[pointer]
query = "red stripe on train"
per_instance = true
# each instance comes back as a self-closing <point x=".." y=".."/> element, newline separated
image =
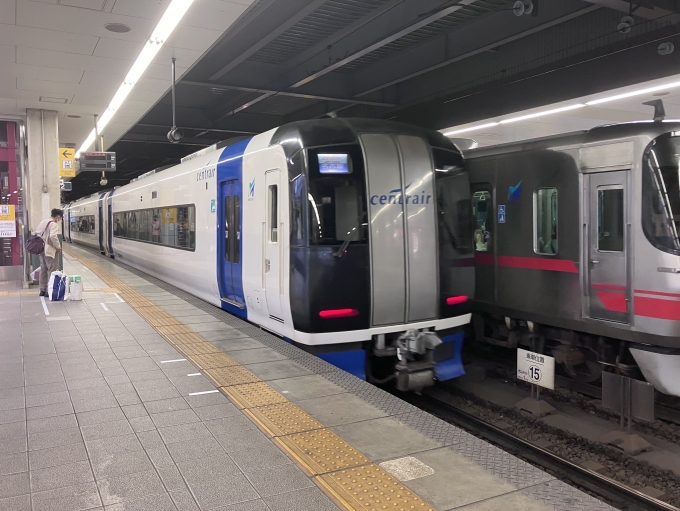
<point x="615" y="302"/>
<point x="657" y="308"/>
<point x="659" y="293"/>
<point x="529" y="263"/>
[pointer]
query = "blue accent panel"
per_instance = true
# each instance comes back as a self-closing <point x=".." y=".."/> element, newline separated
<point x="354" y="362"/>
<point x="453" y="367"/>
<point x="229" y="183"/>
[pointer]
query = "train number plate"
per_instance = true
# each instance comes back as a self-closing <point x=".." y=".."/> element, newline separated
<point x="536" y="368"/>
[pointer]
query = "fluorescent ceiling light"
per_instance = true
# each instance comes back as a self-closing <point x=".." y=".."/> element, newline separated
<point x="633" y="93"/>
<point x="541" y="114"/>
<point x="171" y="18"/>
<point x="473" y="128"/>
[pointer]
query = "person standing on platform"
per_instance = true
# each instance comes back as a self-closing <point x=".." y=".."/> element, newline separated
<point x="49" y="230"/>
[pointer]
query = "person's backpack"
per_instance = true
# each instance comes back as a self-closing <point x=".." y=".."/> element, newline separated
<point x="36" y="244"/>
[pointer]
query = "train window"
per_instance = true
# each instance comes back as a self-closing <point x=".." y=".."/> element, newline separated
<point x="482" y="211"/>
<point x="232" y="212"/>
<point x="84" y="224"/>
<point x="337" y="201"/>
<point x="545" y="221"/>
<point x="273" y="205"/>
<point x="298" y="200"/>
<point x="610" y="220"/>
<point x="661" y="193"/>
<point x="173" y="226"/>
<point x="453" y="203"/>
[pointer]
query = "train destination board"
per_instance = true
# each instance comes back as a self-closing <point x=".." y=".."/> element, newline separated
<point x="97" y="162"/>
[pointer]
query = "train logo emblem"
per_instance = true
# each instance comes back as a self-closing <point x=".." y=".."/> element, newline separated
<point x="396" y="197"/>
<point x="251" y="190"/>
<point x="514" y="193"/>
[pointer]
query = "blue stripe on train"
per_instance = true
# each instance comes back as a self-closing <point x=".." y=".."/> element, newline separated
<point x="230" y="182"/>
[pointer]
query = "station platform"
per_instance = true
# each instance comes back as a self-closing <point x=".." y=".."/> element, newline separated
<point x="142" y="397"/>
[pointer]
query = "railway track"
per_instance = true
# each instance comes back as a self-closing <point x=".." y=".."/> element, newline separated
<point x="662" y="412"/>
<point x="614" y="492"/>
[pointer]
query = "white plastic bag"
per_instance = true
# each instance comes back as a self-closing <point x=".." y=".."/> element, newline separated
<point x="35" y="275"/>
<point x="75" y="291"/>
<point x="57" y="286"/>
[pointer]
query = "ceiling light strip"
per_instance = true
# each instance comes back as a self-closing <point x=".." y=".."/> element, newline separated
<point x="638" y="92"/>
<point x="543" y="113"/>
<point x="472" y="128"/>
<point x="171" y="18"/>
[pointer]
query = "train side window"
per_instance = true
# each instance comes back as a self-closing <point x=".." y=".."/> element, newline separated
<point x="273" y="213"/>
<point x="610" y="220"/>
<point x="545" y="221"/>
<point x="228" y="206"/>
<point x="482" y="211"/>
<point x="236" y="258"/>
<point x="173" y="227"/>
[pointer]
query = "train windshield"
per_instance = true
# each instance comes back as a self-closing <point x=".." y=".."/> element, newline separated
<point x="661" y="193"/>
<point x="336" y="196"/>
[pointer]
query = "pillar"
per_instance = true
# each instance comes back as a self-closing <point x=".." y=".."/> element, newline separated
<point x="42" y="167"/>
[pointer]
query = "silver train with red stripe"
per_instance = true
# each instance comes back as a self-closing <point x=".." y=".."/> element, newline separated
<point x="577" y="249"/>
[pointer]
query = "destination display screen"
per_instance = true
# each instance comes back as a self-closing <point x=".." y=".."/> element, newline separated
<point x="336" y="163"/>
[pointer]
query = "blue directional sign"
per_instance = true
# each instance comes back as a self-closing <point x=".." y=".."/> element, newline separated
<point x="501" y="213"/>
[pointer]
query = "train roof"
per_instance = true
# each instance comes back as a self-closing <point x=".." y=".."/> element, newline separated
<point x="594" y="135"/>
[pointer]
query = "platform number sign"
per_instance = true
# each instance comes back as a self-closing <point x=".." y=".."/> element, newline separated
<point x="536" y="368"/>
<point x="501" y="213"/>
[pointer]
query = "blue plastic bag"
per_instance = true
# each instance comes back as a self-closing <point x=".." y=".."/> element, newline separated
<point x="57" y="286"/>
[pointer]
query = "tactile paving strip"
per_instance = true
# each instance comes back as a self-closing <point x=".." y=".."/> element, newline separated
<point x="282" y="419"/>
<point x="252" y="395"/>
<point x="210" y="360"/>
<point x="178" y="339"/>
<point x="321" y="451"/>
<point x="370" y="488"/>
<point x="173" y="330"/>
<point x="197" y="349"/>
<point x="234" y="375"/>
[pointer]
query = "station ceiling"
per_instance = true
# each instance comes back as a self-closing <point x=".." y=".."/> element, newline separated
<point x="435" y="63"/>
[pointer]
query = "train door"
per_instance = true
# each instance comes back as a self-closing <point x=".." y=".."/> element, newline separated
<point x="606" y="243"/>
<point x="273" y="243"/>
<point x="483" y="218"/>
<point x="68" y="224"/>
<point x="231" y="287"/>
<point x="101" y="222"/>
<point x="109" y="222"/>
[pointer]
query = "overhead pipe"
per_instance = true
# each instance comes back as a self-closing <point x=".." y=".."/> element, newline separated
<point x="175" y="134"/>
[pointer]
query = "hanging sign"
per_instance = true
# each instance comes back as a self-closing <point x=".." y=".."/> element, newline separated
<point x="67" y="162"/>
<point x="8" y="224"/>
<point x="536" y="368"/>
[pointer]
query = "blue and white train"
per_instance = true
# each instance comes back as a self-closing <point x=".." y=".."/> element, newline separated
<point x="348" y="238"/>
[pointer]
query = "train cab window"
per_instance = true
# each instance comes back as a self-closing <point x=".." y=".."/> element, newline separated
<point x="482" y="211"/>
<point x="610" y="220"/>
<point x="545" y="221"/>
<point x="661" y="193"/>
<point x="273" y="205"/>
<point x="337" y="196"/>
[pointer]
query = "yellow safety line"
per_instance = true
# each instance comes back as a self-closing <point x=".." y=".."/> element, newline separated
<point x="343" y="473"/>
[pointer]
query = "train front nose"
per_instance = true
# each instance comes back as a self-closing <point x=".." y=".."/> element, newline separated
<point x="402" y="223"/>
